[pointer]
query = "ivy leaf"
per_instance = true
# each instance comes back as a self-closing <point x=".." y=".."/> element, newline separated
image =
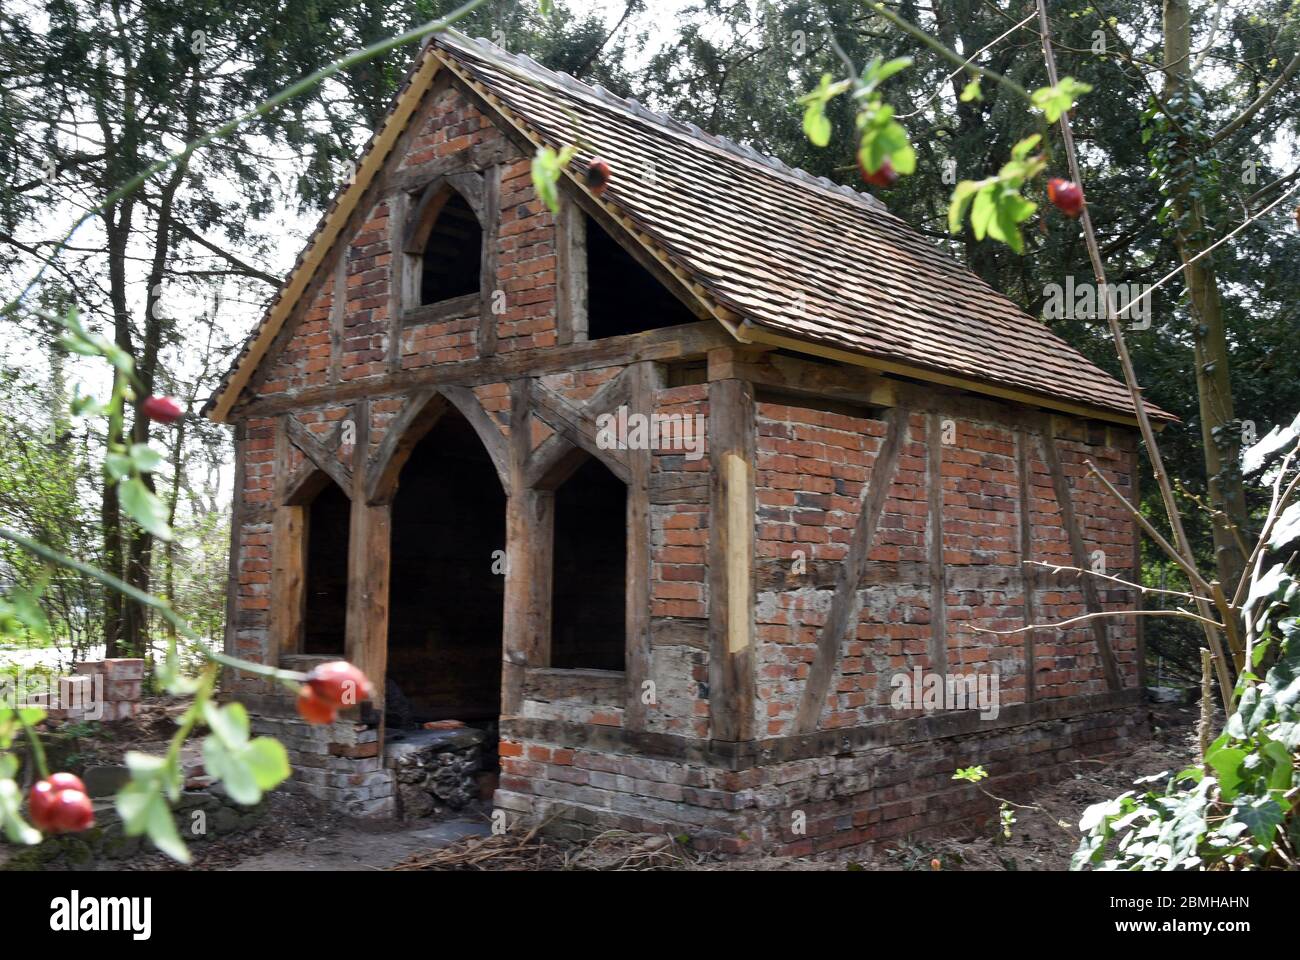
<point x="1226" y="762"/>
<point x="1287" y="528"/>
<point x="144" y="507"/>
<point x="1261" y="815"/>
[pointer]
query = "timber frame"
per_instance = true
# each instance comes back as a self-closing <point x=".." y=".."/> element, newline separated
<point x="732" y="661"/>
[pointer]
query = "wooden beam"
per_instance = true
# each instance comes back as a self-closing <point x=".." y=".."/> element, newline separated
<point x="289" y="533"/>
<point x="237" y="511"/>
<point x="319" y="454"/>
<point x="530" y="518"/>
<point x="1028" y="575"/>
<point x="848" y="384"/>
<point x="683" y="342"/>
<point x="578" y="427"/>
<point x="338" y="313"/>
<point x="938" y="569"/>
<point x="369" y="559"/>
<point x="417" y="417"/>
<point x="752" y="333"/>
<point x="415" y="178"/>
<point x="1079" y="552"/>
<point x="731" y="549"/>
<point x="555" y="460"/>
<point x="844" y="605"/>
<point x="640" y="565"/>
<point x="489" y="282"/>
<point x="398" y="214"/>
<point x="571" y="272"/>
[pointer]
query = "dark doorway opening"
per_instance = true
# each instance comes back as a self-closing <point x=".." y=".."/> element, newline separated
<point x="623" y="296"/>
<point x="446" y="598"/>
<point x="589" y="586"/>
<point x="453" y="254"/>
<point x="328" y="528"/>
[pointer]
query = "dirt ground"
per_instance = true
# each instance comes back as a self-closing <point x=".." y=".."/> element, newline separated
<point x="294" y="835"/>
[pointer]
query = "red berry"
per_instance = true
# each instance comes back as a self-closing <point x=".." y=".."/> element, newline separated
<point x="598" y="174"/>
<point x="66" y="781"/>
<point x="60" y="809"/>
<point x="339" y="684"/>
<point x="40" y="800"/>
<point x="71" y="812"/>
<point x="883" y="176"/>
<point x="162" y="409"/>
<point x="1066" y="195"/>
<point x="313" y="709"/>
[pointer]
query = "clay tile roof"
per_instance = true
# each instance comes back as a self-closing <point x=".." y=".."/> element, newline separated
<point x="795" y="259"/>
<point x="791" y="253"/>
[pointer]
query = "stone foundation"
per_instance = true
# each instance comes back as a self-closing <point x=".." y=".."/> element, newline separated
<point x="436" y="770"/>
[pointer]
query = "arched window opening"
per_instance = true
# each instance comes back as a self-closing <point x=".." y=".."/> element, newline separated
<point x="590" y="561"/>
<point x="453" y="253"/>
<point x="447" y="583"/>
<point x="327" y="532"/>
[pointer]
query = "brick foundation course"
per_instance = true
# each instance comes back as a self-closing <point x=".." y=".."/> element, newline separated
<point x="800" y="796"/>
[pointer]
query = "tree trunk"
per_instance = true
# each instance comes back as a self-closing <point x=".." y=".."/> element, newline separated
<point x="1220" y="434"/>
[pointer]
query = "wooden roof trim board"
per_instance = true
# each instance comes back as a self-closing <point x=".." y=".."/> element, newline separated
<point x="700" y="281"/>
<point x="323" y="237"/>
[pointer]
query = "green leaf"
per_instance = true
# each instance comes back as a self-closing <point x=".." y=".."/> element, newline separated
<point x="1022" y="149"/>
<point x="816" y="125"/>
<point x="145" y="458"/>
<point x="1226" y="762"/>
<point x="1261" y="815"/>
<point x="118" y="465"/>
<point x="16" y="829"/>
<point x="971" y="91"/>
<point x="1054" y="101"/>
<point x="228" y="723"/>
<point x="144" y="507"/>
<point x="984" y="210"/>
<point x="961" y="197"/>
<point x="1286" y="529"/>
<point x="269" y="762"/>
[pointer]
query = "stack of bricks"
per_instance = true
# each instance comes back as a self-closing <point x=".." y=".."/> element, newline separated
<point x="123" y="683"/>
<point x="80" y="696"/>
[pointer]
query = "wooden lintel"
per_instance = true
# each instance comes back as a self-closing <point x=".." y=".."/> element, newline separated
<point x="684" y="342"/>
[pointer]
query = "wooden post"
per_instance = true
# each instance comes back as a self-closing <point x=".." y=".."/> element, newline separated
<point x="530" y="520"/>
<point x="288" y="557"/>
<point x="288" y="581"/>
<point x="640" y="566"/>
<point x="369" y="559"/>
<point x="489" y="283"/>
<point x="398" y="212"/>
<point x="571" y="275"/>
<point x="731" y="550"/>
<point x="938" y="569"/>
<point x="1028" y="575"/>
